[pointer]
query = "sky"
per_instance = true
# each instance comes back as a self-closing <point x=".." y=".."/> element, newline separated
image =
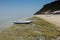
<point x="20" y="8"/>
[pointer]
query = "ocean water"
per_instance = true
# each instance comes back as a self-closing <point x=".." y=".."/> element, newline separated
<point x="6" y="20"/>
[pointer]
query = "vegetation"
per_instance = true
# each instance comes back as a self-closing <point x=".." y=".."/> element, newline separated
<point x="53" y="6"/>
<point x="38" y="27"/>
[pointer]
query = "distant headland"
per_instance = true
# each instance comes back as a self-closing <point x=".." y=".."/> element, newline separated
<point x="53" y="6"/>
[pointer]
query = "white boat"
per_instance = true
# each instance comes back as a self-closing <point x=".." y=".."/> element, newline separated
<point x="22" y="22"/>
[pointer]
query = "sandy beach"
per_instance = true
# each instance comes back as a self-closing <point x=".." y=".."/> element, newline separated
<point x="55" y="19"/>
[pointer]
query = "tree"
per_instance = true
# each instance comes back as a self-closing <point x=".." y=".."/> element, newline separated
<point x="57" y="0"/>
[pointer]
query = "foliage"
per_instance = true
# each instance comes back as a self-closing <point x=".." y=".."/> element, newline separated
<point x="25" y="31"/>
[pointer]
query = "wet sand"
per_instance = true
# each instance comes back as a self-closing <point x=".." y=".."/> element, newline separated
<point x="55" y="19"/>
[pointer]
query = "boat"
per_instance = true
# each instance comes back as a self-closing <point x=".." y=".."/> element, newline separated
<point x="22" y="22"/>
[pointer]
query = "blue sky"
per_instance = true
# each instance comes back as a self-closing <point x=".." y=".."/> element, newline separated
<point x="9" y="8"/>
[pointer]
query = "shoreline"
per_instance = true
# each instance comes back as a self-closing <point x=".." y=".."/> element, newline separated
<point x="8" y="23"/>
<point x="5" y="25"/>
<point x="37" y="28"/>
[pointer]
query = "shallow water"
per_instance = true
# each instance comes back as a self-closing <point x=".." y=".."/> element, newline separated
<point x="7" y="22"/>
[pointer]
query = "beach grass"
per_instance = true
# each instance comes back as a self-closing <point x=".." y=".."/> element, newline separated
<point x="35" y="29"/>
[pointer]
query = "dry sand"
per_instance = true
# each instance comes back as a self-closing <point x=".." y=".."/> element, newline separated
<point x="55" y="19"/>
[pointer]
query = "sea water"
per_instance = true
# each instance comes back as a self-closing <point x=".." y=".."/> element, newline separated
<point x="6" y="20"/>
